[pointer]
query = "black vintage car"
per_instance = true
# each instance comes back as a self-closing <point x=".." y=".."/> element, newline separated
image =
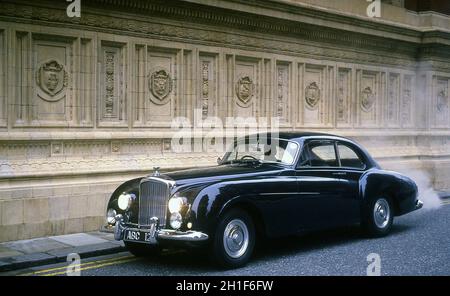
<point x="267" y="185"/>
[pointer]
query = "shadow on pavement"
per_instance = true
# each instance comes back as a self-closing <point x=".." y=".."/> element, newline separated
<point x="269" y="249"/>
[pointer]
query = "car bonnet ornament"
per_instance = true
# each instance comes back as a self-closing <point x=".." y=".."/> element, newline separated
<point x="156" y="172"/>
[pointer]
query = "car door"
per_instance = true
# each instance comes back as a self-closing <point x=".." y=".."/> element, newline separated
<point x="321" y="200"/>
<point x="352" y="167"/>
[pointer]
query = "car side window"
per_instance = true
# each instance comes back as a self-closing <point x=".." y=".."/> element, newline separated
<point x="349" y="158"/>
<point x="319" y="154"/>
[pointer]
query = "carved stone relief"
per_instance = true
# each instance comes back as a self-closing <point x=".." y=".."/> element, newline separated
<point x="341" y="97"/>
<point x="160" y="88"/>
<point x="368" y="98"/>
<point x="406" y="104"/>
<point x="280" y="91"/>
<point x="282" y="101"/>
<point x="51" y="101"/>
<point x="52" y="79"/>
<point x="109" y="83"/>
<point x="112" y="85"/>
<point x="393" y="98"/>
<point x="205" y="88"/>
<point x="312" y="96"/>
<point x="343" y="104"/>
<point x="313" y="91"/>
<point x="441" y="103"/>
<point x="160" y="85"/>
<point x="245" y="90"/>
<point x="442" y="99"/>
<point x="3" y="113"/>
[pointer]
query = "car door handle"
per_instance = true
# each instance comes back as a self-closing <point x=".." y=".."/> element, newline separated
<point x="339" y="174"/>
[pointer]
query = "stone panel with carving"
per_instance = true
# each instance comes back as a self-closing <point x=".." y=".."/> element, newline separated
<point x="22" y="54"/>
<point x="51" y="80"/>
<point x="86" y="89"/>
<point x="407" y="102"/>
<point x="314" y="93"/>
<point x="441" y="102"/>
<point x="3" y="105"/>
<point x="112" y="86"/>
<point x="393" y="99"/>
<point x="161" y="86"/>
<point x="207" y="99"/>
<point x="52" y="99"/>
<point x="369" y="98"/>
<point x="245" y="84"/>
<point x="282" y="100"/>
<point x="344" y="98"/>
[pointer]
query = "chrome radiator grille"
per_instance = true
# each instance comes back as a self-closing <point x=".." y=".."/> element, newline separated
<point x="153" y="199"/>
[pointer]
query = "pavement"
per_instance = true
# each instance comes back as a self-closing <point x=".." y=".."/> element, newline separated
<point x="54" y="249"/>
<point x="23" y="254"/>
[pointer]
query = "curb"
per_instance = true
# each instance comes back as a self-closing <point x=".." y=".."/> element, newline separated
<point x="57" y="256"/>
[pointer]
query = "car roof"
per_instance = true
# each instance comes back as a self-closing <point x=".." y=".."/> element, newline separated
<point x="296" y="135"/>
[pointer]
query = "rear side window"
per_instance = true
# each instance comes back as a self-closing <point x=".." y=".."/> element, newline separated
<point x="349" y="158"/>
<point x="319" y="154"/>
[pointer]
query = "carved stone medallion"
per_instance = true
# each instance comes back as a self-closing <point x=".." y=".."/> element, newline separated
<point x="312" y="95"/>
<point x="51" y="79"/>
<point x="367" y="99"/>
<point x="244" y="90"/>
<point x="160" y="85"/>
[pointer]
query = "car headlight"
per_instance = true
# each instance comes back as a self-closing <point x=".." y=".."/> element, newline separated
<point x="176" y="204"/>
<point x="111" y="216"/>
<point x="176" y="220"/>
<point x="124" y="201"/>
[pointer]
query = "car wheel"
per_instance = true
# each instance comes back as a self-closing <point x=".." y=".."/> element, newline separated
<point x="378" y="217"/>
<point x="234" y="239"/>
<point x="142" y="250"/>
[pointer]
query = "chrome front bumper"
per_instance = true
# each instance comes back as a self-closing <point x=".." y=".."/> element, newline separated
<point x="155" y="235"/>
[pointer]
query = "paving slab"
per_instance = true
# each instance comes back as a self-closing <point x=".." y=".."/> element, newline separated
<point x="37" y="245"/>
<point x="78" y="239"/>
<point x="7" y="252"/>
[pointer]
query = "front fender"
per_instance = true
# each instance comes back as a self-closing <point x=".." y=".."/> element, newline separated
<point x="130" y="186"/>
<point x="212" y="201"/>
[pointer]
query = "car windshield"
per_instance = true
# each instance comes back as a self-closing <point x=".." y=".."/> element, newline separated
<point x="275" y="150"/>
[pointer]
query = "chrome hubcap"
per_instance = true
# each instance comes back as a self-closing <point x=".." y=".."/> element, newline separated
<point x="235" y="238"/>
<point x="381" y="213"/>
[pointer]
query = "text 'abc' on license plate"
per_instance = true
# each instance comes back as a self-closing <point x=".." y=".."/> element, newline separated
<point x="139" y="236"/>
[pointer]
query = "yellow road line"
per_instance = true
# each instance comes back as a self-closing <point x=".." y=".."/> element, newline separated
<point x="94" y="266"/>
<point x="78" y="265"/>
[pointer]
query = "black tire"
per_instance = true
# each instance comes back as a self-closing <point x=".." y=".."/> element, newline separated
<point x="377" y="227"/>
<point x="142" y="250"/>
<point x="218" y="251"/>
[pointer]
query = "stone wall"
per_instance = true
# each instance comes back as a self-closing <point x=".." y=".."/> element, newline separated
<point x="88" y="103"/>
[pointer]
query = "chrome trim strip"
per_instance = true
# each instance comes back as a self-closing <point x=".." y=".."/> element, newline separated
<point x="189" y="236"/>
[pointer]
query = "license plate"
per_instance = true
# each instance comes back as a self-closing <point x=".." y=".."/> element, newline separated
<point x="147" y="236"/>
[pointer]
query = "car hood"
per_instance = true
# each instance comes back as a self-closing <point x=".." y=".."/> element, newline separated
<point x="222" y="172"/>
